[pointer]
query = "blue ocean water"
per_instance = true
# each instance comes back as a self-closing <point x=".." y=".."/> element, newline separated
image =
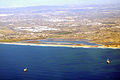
<point x="58" y="63"/>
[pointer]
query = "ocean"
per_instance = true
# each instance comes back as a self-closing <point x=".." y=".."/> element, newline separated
<point x="58" y="63"/>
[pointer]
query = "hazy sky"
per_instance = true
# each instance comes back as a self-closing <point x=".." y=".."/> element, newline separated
<point x="24" y="3"/>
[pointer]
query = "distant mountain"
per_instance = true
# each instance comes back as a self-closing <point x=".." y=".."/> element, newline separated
<point x="39" y="9"/>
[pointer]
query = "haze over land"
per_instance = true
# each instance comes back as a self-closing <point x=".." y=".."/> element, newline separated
<point x="26" y="3"/>
<point x="97" y="21"/>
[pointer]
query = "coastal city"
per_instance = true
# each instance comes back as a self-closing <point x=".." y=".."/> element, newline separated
<point x="59" y="39"/>
<point x="95" y="24"/>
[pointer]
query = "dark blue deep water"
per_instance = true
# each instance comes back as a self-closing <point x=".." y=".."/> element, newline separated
<point x="58" y="63"/>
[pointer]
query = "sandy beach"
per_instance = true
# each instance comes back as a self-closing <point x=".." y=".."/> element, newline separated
<point x="55" y="45"/>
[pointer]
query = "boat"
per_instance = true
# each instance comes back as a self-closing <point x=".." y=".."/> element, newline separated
<point x="108" y="61"/>
<point x="25" y="69"/>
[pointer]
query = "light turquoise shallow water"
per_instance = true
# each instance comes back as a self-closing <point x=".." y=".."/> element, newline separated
<point x="58" y="63"/>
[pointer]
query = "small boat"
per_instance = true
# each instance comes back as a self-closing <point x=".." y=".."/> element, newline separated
<point x="108" y="61"/>
<point x="25" y="69"/>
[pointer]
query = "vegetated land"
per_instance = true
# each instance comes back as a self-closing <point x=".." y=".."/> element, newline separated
<point x="98" y="24"/>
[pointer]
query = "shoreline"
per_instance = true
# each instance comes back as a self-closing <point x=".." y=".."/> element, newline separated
<point x="60" y="45"/>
